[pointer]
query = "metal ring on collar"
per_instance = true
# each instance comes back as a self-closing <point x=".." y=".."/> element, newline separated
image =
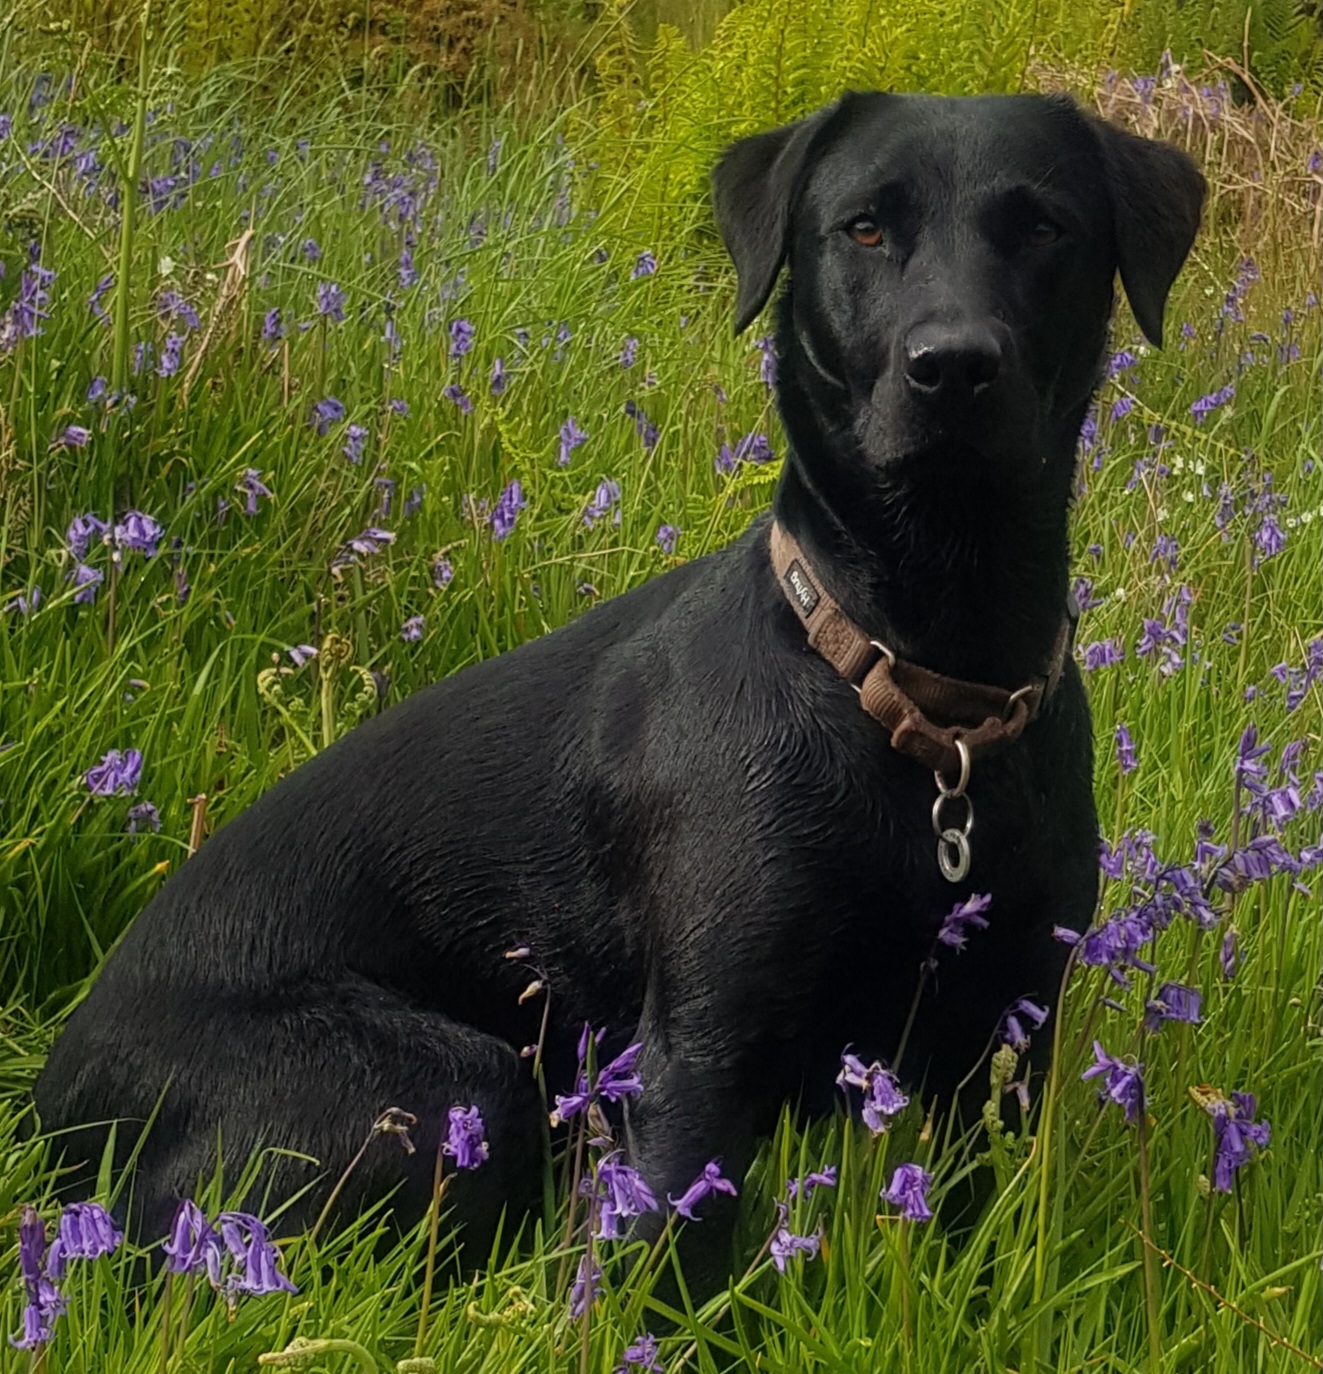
<point x="938" y="828"/>
<point x="966" y="765"/>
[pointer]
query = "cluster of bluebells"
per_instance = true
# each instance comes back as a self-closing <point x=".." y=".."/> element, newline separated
<point x="133" y="532"/>
<point x="84" y="1232"/>
<point x="235" y="1253"/>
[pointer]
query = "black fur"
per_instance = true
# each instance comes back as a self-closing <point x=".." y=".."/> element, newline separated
<point x="680" y="808"/>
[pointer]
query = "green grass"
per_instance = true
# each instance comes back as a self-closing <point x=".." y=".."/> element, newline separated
<point x="1053" y="1276"/>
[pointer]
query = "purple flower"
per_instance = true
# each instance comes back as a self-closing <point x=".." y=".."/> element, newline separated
<point x="909" y="1192"/>
<point x="86" y="1232"/>
<point x="464" y="1138"/>
<point x="506" y="511"/>
<point x="619" y="1079"/>
<point x="330" y="301"/>
<point x="786" y="1243"/>
<point x="667" y="538"/>
<point x="622" y="1193"/>
<point x="301" y="654"/>
<point x="82" y="531"/>
<point x="605" y="500"/>
<point x="272" y="328"/>
<point x="311" y="249"/>
<point x="754" y="448"/>
<point x="116" y="773"/>
<point x="1234" y="1132"/>
<point x="767" y="365"/>
<point x="143" y="816"/>
<point x="443" y="571"/>
<point x="1122" y="407"/>
<point x="44" y="1301"/>
<point x="325" y="413"/>
<point x="461" y="338"/>
<point x="1126" y="759"/>
<point x="86" y="580"/>
<point x="192" y="1244"/>
<point x="823" y="1178"/>
<point x="1013" y="1032"/>
<point x="254" y="1258"/>
<point x="72" y="436"/>
<point x="172" y="307"/>
<point x="1229" y="955"/>
<point x="98" y="294"/>
<point x="1205" y="405"/>
<point x="1269" y="538"/>
<point x="586" y="1288"/>
<point x="408" y="272"/>
<point x="1103" y="653"/>
<point x="963" y="916"/>
<point x="24" y="604"/>
<point x="458" y="396"/>
<point x="1174" y="1002"/>
<point x="708" y="1182"/>
<point x="571" y="436"/>
<point x="1122" y="1082"/>
<point x="500" y="378"/>
<point x="1251" y="773"/>
<point x="355" y="438"/>
<point x="641" y="1357"/>
<point x="883" y="1098"/>
<point x="97" y="390"/>
<point x="412" y="629"/>
<point x="137" y="532"/>
<point x="645" y="266"/>
<point x="1124" y="361"/>
<point x="371" y="541"/>
<point x="643" y="427"/>
<point x="629" y="353"/>
<point x="251" y="487"/>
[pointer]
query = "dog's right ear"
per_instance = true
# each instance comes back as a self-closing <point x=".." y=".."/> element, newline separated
<point x="754" y="188"/>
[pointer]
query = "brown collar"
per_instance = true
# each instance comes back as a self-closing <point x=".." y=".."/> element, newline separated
<point x="938" y="721"/>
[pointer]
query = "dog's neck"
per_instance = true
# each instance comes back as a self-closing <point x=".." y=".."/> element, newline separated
<point x="964" y="573"/>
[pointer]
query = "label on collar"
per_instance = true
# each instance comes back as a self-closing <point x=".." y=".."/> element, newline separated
<point x="802" y="591"/>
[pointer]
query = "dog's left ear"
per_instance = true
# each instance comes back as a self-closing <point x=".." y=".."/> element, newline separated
<point x="1157" y="196"/>
<point x="754" y="187"/>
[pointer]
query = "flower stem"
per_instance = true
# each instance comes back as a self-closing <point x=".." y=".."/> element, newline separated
<point x="439" y="1185"/>
<point x="909" y="1020"/>
<point x="165" y="1322"/>
<point x="120" y="358"/>
<point x="1151" y="1300"/>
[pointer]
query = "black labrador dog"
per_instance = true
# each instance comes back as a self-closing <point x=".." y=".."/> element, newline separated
<point x="676" y="803"/>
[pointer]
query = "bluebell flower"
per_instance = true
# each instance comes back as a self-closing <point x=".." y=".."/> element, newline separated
<point x="708" y="1182"/>
<point x="116" y="773"/>
<point x="1123" y="1083"/>
<point x="667" y="538"/>
<point x="645" y="266"/>
<point x="251" y="487"/>
<point x="86" y="580"/>
<point x="45" y="1304"/>
<point x="1236" y="1136"/>
<point x="355" y="438"/>
<point x="143" y="816"/>
<point x="785" y="1243"/>
<point x="301" y="654"/>
<point x="462" y="335"/>
<point x="621" y="1194"/>
<point x="506" y="511"/>
<point x="459" y="397"/>
<point x="1174" y="1002"/>
<point x="909" y="1191"/>
<point x="1205" y="405"/>
<point x="586" y="1288"/>
<point x="767" y="366"/>
<point x="412" y="629"/>
<point x="443" y="571"/>
<point x="465" y="1142"/>
<point x="641" y="1357"/>
<point x="327" y="412"/>
<point x="86" y="1232"/>
<point x="962" y="917"/>
<point x="1126" y="759"/>
<point x="98" y="294"/>
<point x="72" y="436"/>
<point x="255" y="1261"/>
<point x="273" y="330"/>
<point x="1013" y="1018"/>
<point x="330" y="301"/>
<point x="1102" y="653"/>
<point x="500" y="377"/>
<point x="629" y="353"/>
<point x="821" y="1178"/>
<point x="571" y="436"/>
<point x="883" y="1098"/>
<point x="192" y="1246"/>
<point x="605" y="500"/>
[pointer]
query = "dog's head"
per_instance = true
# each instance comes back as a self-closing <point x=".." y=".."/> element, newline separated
<point x="951" y="266"/>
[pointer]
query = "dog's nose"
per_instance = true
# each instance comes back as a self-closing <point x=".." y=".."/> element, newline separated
<point x="951" y="362"/>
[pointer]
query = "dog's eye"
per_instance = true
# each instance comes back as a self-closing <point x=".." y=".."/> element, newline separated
<point x="1043" y="233"/>
<point x="867" y="232"/>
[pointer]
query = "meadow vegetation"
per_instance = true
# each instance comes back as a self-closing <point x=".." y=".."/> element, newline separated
<point x="315" y="390"/>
